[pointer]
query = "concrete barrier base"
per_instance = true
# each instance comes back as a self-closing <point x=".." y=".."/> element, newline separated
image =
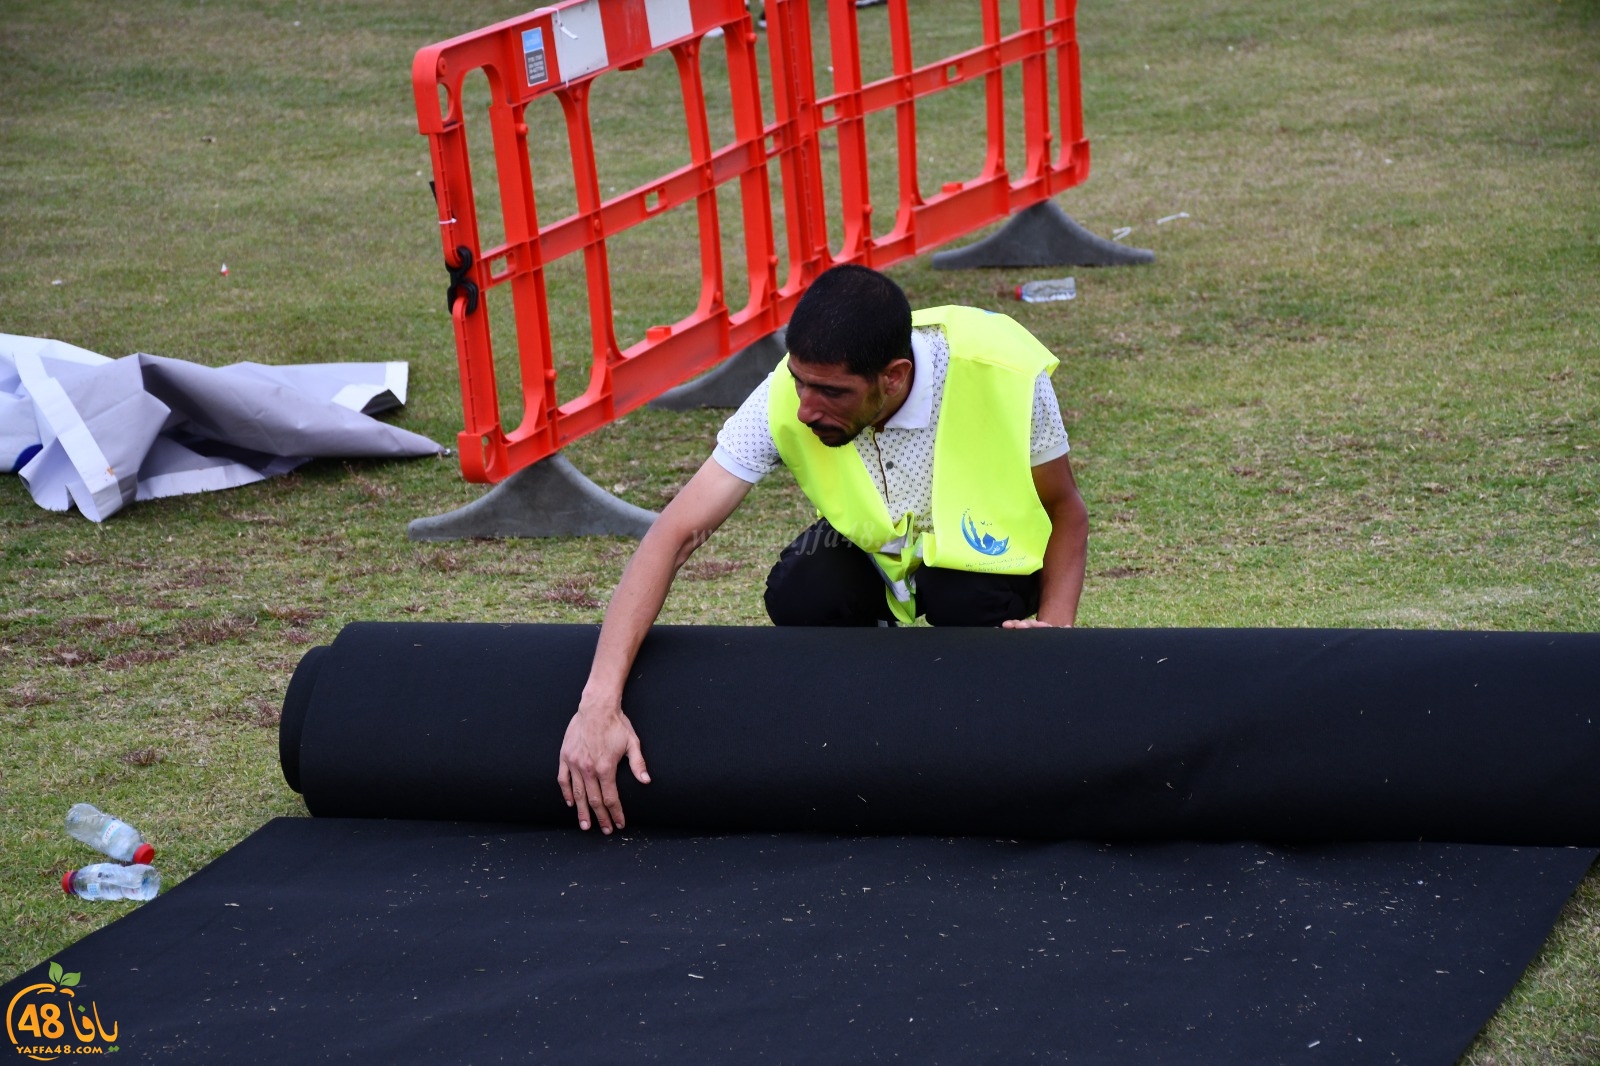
<point x="730" y="381"/>
<point x="548" y="499"/>
<point x="1042" y="235"/>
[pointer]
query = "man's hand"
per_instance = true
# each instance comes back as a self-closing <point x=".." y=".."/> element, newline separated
<point x="1061" y="579"/>
<point x="598" y="738"/>
<point x="600" y="735"/>
<point x="1028" y="623"/>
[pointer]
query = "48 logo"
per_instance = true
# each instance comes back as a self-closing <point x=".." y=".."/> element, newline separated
<point x="45" y="1021"/>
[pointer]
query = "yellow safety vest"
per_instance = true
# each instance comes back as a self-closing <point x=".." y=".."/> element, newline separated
<point x="986" y="512"/>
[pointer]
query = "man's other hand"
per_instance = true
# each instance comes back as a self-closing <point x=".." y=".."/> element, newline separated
<point x="1028" y="623"/>
<point x="597" y="740"/>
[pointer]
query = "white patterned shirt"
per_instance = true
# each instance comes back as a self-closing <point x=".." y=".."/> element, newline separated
<point x="900" y="458"/>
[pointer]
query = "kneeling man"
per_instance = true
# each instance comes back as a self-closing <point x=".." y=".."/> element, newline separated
<point x="933" y="448"/>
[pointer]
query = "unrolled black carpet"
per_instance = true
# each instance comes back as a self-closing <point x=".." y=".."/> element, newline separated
<point x="921" y="845"/>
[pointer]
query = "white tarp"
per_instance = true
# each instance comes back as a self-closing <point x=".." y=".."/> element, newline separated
<point x="100" y="433"/>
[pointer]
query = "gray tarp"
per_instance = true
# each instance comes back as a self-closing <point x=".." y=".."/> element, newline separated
<point x="100" y="433"/>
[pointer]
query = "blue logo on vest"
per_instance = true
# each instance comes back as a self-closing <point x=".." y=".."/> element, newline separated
<point x="982" y="543"/>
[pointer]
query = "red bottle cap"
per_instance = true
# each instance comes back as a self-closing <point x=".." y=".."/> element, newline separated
<point x="66" y="881"/>
<point x="143" y="854"/>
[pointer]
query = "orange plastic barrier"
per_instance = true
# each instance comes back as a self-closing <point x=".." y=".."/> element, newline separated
<point x="562" y="49"/>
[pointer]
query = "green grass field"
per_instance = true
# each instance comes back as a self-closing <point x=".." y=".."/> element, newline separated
<point x="1359" y="387"/>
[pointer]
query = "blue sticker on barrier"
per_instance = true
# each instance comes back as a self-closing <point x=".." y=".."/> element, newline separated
<point x="533" y="55"/>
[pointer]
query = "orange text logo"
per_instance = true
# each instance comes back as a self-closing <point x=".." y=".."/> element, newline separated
<point x="46" y="1020"/>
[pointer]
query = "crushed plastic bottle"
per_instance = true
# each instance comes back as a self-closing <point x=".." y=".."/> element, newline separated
<point x="111" y="835"/>
<point x="1042" y="292"/>
<point x="109" y="880"/>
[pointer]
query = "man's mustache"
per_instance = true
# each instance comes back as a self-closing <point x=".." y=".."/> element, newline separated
<point x="831" y="435"/>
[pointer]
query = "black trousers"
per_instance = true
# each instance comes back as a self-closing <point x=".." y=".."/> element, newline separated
<point x="821" y="579"/>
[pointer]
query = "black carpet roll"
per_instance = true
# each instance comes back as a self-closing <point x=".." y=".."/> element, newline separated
<point x="1218" y="734"/>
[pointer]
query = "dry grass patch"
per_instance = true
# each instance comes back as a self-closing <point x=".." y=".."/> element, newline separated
<point x="210" y="631"/>
<point x="295" y="616"/>
<point x="440" y="560"/>
<point x="139" y="657"/>
<point x="574" y="592"/>
<point x="143" y="757"/>
<point x="70" y="655"/>
<point x="27" y="695"/>
<point x="710" y="569"/>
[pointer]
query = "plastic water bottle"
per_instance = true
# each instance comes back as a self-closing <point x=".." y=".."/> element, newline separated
<point x="111" y="835"/>
<point x="109" y="880"/>
<point x="1041" y="292"/>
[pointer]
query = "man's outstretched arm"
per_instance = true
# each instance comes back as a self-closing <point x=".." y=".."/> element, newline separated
<point x="600" y="735"/>
<point x="1061" y="580"/>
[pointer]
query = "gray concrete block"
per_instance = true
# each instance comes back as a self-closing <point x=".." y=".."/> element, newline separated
<point x="548" y="499"/>
<point x="730" y="381"/>
<point x="1042" y="235"/>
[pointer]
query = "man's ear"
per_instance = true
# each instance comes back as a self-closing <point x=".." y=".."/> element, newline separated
<point x="895" y="376"/>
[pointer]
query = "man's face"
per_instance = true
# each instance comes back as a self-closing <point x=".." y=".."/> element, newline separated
<point x="835" y="404"/>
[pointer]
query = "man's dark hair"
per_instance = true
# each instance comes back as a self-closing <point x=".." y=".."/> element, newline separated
<point x="851" y="315"/>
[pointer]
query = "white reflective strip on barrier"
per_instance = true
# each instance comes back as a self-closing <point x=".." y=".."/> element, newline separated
<point x="580" y="40"/>
<point x="669" y="20"/>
